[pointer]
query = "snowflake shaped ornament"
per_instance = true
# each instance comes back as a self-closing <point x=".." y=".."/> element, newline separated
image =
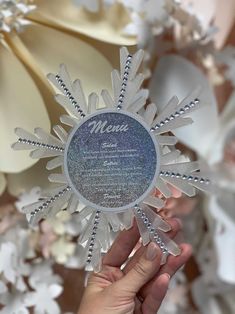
<point x="113" y="160"/>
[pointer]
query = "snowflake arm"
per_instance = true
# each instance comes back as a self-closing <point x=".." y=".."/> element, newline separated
<point x="87" y="177"/>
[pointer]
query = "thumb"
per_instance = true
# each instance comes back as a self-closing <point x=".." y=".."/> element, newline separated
<point x="144" y="269"/>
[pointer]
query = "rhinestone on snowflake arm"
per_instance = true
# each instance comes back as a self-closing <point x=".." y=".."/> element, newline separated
<point x="175" y="113"/>
<point x="152" y="228"/>
<point x="41" y="143"/>
<point x="127" y="92"/>
<point x="71" y="95"/>
<point x="48" y="206"/>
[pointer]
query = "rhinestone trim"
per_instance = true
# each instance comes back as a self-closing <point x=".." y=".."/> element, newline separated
<point x="40" y="144"/>
<point x="177" y="114"/>
<point x="151" y="230"/>
<point x="93" y="237"/>
<point x="124" y="81"/>
<point x="50" y="201"/>
<point x="68" y="94"/>
<point x="185" y="177"/>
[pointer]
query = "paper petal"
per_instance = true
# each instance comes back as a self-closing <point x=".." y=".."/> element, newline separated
<point x="26" y="180"/>
<point x="106" y="25"/>
<point x="55" y="290"/>
<point x="20" y="105"/>
<point x="44" y="49"/>
<point x="175" y="75"/>
<point x="226" y="126"/>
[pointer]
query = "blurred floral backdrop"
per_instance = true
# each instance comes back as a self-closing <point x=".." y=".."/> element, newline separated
<point x="187" y="43"/>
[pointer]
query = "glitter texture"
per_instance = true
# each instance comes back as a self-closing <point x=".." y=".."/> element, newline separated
<point x="111" y="160"/>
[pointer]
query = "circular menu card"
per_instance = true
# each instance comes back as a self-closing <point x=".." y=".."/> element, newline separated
<point x="112" y="160"/>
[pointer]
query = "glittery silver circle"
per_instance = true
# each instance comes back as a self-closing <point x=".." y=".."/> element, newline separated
<point x="112" y="160"/>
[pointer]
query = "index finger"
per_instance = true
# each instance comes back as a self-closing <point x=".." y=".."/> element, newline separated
<point x="170" y="268"/>
<point x="122" y="247"/>
<point x="127" y="240"/>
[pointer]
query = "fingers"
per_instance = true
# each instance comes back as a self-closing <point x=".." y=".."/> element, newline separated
<point x="175" y="225"/>
<point x="143" y="270"/>
<point x="176" y="262"/>
<point x="175" y="192"/>
<point x="133" y="260"/>
<point x="173" y="264"/>
<point x="126" y="241"/>
<point x="122" y="247"/>
<point x="157" y="293"/>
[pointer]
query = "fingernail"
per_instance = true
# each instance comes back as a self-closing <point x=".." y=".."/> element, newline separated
<point x="168" y="276"/>
<point x="151" y="252"/>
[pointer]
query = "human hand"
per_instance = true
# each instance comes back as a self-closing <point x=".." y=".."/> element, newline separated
<point x="141" y="285"/>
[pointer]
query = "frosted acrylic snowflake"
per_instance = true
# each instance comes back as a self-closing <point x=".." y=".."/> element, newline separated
<point x="12" y="14"/>
<point x="113" y="160"/>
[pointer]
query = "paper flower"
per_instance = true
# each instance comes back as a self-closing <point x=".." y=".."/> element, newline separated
<point x="105" y="25"/>
<point x="47" y="287"/>
<point x="36" y="47"/>
<point x="212" y="140"/>
<point x="15" y="250"/>
<point x="14" y="303"/>
<point x="22" y="275"/>
<point x="42" y="273"/>
<point x="27" y="43"/>
<point x="8" y="261"/>
<point x="55" y="236"/>
<point x="43" y="298"/>
<point x="188" y="24"/>
<point x="13" y="13"/>
<point x="112" y="200"/>
<point x="62" y="249"/>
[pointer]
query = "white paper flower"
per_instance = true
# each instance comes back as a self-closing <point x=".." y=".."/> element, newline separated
<point x="13" y="255"/>
<point x="216" y="258"/>
<point x="21" y="271"/>
<point x="42" y="273"/>
<point x="14" y="303"/>
<point x="28" y="198"/>
<point x="8" y="265"/>
<point x="43" y="299"/>
<point x="62" y="249"/>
